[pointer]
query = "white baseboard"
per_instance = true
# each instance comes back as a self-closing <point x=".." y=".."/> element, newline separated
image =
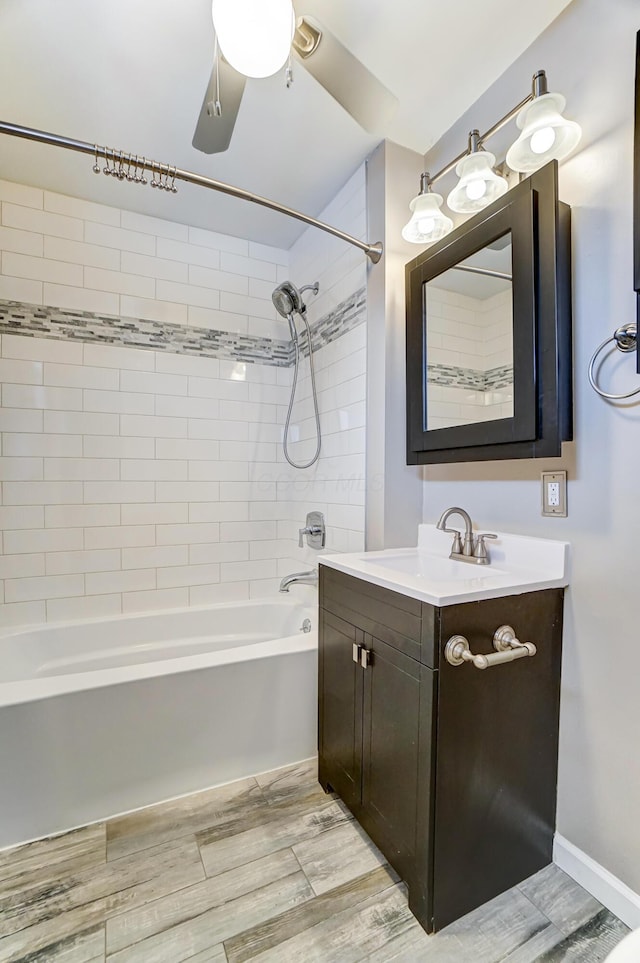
<point x="607" y="888"/>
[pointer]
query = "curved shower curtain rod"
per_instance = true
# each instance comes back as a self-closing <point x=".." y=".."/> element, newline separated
<point x="373" y="251"/>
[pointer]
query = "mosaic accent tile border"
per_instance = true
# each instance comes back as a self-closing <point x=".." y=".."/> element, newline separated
<point x="32" y="320"/>
<point x="500" y="377"/>
<point x="454" y="376"/>
<point x="346" y="316"/>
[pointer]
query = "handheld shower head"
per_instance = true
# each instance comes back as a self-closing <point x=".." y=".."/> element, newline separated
<point x="286" y="299"/>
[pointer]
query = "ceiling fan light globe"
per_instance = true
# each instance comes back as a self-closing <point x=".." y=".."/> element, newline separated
<point x="546" y="134"/>
<point x="254" y="35"/>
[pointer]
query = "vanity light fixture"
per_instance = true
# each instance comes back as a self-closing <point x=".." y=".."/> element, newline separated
<point x="427" y="222"/>
<point x="254" y="35"/>
<point x="479" y="185"/>
<point x="546" y="135"/>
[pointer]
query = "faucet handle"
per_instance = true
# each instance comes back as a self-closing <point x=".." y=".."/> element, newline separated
<point x="314" y="530"/>
<point x="456" y="548"/>
<point x="480" y="549"/>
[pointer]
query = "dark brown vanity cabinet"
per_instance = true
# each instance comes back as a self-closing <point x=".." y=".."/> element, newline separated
<point x="451" y="770"/>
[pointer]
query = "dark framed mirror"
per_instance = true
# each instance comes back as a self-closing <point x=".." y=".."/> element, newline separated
<point x="489" y="333"/>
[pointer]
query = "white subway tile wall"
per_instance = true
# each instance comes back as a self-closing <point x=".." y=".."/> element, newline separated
<point x="103" y="513"/>
<point x="336" y="484"/>
<point x="137" y="480"/>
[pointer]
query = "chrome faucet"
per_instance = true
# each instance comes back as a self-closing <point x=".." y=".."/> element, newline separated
<point x="469" y="549"/>
<point x="301" y="578"/>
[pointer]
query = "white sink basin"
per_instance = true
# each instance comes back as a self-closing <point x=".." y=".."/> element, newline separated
<point x="433" y="567"/>
<point x="517" y="564"/>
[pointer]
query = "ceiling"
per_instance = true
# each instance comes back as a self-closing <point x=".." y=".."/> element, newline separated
<point x="131" y="74"/>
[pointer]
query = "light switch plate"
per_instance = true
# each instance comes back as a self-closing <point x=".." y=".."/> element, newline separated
<point x="554" y="493"/>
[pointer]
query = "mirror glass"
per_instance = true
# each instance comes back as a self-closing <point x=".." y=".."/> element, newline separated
<point x="468" y="315"/>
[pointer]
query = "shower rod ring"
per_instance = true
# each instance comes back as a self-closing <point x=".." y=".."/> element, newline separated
<point x="625" y="339"/>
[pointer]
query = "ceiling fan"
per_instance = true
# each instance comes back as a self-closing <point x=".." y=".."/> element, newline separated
<point x="242" y="32"/>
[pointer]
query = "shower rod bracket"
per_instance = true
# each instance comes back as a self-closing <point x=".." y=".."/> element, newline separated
<point x="168" y="175"/>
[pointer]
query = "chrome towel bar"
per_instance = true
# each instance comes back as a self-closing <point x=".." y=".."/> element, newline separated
<point x="508" y="649"/>
<point x="625" y="339"/>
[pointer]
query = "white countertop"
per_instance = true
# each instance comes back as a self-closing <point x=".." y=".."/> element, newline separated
<point x="518" y="564"/>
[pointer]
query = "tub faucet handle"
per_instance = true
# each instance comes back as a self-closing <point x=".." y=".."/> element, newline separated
<point x="314" y="530"/>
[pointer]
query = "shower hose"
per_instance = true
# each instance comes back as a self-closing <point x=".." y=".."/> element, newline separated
<point x="285" y="440"/>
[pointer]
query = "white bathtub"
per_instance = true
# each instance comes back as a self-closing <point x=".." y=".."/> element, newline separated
<point x="102" y="717"/>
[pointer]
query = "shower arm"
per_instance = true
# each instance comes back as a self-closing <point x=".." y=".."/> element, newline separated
<point x="373" y="251"/>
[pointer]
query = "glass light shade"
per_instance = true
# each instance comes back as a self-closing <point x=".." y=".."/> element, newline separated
<point x="254" y="35"/>
<point x="479" y="184"/>
<point x="546" y="134"/>
<point x="427" y="222"/>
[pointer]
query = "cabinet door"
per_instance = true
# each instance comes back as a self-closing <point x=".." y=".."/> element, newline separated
<point x="340" y="708"/>
<point x="392" y="750"/>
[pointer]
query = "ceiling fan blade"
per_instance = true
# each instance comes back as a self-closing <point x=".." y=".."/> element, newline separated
<point x="344" y="76"/>
<point x="213" y="134"/>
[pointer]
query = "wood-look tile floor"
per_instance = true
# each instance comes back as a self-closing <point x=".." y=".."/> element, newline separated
<point x="267" y="869"/>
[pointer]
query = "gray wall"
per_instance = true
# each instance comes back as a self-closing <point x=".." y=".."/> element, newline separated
<point x="589" y="56"/>
<point x="394" y="490"/>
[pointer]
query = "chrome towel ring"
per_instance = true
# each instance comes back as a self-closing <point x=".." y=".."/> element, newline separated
<point x="625" y="339"/>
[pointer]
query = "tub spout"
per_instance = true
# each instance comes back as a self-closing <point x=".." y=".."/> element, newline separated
<point x="302" y="578"/>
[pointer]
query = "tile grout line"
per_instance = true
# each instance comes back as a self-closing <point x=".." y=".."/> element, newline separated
<point x="166" y="802"/>
<point x="350" y="909"/>
<point x="533" y="902"/>
<point x="197" y="915"/>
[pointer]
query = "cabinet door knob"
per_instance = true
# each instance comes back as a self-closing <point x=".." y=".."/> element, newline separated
<point x="356" y="653"/>
<point x="365" y="658"/>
